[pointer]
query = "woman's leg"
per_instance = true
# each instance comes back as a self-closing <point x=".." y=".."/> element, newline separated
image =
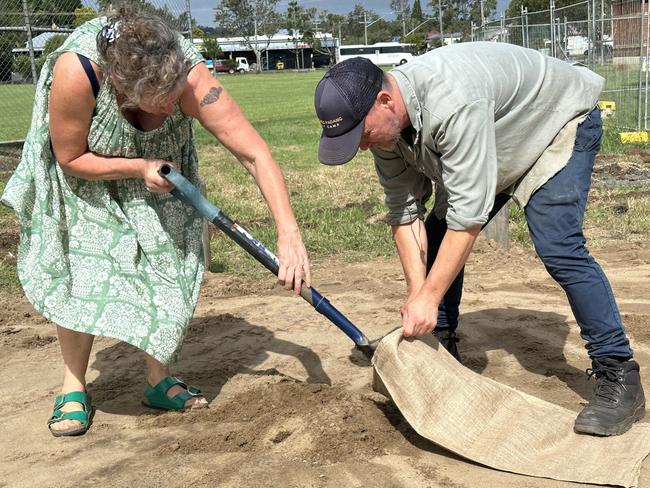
<point x="156" y="371"/>
<point x="75" y="349"/>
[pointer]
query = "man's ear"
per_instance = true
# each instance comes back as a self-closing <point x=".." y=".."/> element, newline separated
<point x="384" y="98"/>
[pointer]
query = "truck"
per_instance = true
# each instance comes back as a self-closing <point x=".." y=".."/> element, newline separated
<point x="580" y="45"/>
<point x="237" y="65"/>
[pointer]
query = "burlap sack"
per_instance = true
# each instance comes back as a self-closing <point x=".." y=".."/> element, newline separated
<point x="495" y="425"/>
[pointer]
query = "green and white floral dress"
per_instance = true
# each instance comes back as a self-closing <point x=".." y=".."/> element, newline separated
<point x="107" y="257"/>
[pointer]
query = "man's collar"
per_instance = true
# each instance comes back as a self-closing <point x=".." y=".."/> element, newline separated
<point x="410" y="100"/>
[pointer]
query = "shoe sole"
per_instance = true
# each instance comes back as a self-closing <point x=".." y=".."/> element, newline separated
<point x="163" y="409"/>
<point x="75" y="432"/>
<point x="618" y="429"/>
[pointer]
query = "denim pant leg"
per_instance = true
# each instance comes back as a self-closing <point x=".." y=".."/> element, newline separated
<point x="448" y="308"/>
<point x="555" y="216"/>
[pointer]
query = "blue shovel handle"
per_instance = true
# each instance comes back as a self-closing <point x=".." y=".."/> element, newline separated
<point x="189" y="194"/>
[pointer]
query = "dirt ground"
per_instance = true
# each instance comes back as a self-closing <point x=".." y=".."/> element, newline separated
<point x="290" y="401"/>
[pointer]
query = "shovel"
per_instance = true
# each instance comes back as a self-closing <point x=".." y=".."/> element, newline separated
<point x="189" y="194"/>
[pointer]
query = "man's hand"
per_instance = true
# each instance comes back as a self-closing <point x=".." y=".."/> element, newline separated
<point x="419" y="316"/>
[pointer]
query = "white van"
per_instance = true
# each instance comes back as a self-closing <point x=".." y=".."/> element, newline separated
<point x="381" y="53"/>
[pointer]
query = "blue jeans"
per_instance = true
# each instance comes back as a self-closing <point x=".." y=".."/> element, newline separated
<point x="555" y="215"/>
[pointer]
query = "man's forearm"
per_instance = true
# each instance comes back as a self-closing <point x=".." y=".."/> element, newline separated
<point x="411" y="242"/>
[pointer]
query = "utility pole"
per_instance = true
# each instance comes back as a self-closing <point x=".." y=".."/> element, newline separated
<point x="442" y="37"/>
<point x="482" y="14"/>
<point x="30" y="44"/>
<point x="418" y="26"/>
<point x="365" y="28"/>
<point x="602" y="32"/>
<point x="401" y="3"/>
<point x="258" y="54"/>
<point x="523" y="28"/>
<point x="366" y="24"/>
<point x="189" y="19"/>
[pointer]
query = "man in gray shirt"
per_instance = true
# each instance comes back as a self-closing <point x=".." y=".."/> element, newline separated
<point x="484" y="123"/>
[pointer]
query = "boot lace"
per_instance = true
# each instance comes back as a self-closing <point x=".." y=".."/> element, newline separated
<point x="609" y="380"/>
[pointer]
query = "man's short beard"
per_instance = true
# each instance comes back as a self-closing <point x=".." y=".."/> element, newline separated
<point x="395" y="134"/>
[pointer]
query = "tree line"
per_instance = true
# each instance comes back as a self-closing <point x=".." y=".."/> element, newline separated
<point x="407" y="21"/>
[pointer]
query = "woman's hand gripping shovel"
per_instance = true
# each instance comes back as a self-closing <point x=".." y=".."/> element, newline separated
<point x="188" y="193"/>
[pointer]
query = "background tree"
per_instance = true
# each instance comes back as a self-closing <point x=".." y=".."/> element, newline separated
<point x="297" y="22"/>
<point x="514" y="8"/>
<point x="198" y="33"/>
<point x="402" y="10"/>
<point x="212" y="50"/>
<point x="354" y="31"/>
<point x="577" y="13"/>
<point x="333" y="23"/>
<point x="208" y="30"/>
<point x="43" y="13"/>
<point x="420" y="24"/>
<point x="458" y="15"/>
<point x="7" y="43"/>
<point x="417" y="38"/>
<point x="324" y="21"/>
<point x="52" y="44"/>
<point x="55" y="13"/>
<point x="384" y="31"/>
<point x="416" y="14"/>
<point x="22" y="66"/>
<point x="83" y="15"/>
<point x="254" y="20"/>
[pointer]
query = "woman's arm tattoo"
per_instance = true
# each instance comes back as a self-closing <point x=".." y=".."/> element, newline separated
<point x="212" y="96"/>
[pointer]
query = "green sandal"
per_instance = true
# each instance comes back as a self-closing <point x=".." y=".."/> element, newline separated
<point x="156" y="396"/>
<point x="83" y="416"/>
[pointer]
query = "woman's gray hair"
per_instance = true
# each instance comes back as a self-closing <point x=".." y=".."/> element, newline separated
<point x="142" y="55"/>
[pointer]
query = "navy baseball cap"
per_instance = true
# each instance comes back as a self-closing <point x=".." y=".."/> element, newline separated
<point x="344" y="97"/>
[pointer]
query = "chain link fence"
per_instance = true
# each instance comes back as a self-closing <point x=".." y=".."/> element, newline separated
<point x="611" y="37"/>
<point x="31" y="29"/>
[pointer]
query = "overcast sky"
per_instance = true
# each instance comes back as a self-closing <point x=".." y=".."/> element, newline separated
<point x="202" y="10"/>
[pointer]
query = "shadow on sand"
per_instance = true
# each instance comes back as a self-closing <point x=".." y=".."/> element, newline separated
<point x="215" y="349"/>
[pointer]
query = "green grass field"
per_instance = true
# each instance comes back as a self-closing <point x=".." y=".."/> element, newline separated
<point x="16" y="111"/>
<point x="261" y="95"/>
<point x="339" y="209"/>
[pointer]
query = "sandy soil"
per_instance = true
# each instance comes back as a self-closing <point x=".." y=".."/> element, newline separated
<point x="290" y="401"/>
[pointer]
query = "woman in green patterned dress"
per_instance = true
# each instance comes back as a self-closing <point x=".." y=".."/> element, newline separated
<point x="104" y="249"/>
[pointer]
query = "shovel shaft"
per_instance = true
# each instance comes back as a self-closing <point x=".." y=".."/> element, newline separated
<point x="188" y="193"/>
